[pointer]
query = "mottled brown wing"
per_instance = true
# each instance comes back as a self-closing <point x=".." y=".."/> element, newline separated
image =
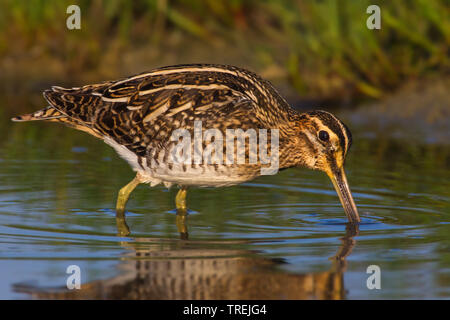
<point x="140" y="122"/>
<point x="141" y="112"/>
<point x="148" y="121"/>
<point x="78" y="104"/>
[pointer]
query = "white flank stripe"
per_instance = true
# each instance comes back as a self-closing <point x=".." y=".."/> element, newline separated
<point x="157" y="112"/>
<point x="176" y="86"/>
<point x="122" y="99"/>
<point x="134" y="108"/>
<point x="195" y="69"/>
<point x="185" y="106"/>
<point x="178" y="70"/>
<point x="184" y="86"/>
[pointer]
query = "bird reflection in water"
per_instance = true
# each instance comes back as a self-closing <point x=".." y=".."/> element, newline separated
<point x="186" y="269"/>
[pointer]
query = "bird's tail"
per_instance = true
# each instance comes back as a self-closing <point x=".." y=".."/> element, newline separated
<point x="52" y="114"/>
<point x="48" y="113"/>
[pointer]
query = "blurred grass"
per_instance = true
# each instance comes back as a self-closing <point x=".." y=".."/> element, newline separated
<point x="320" y="49"/>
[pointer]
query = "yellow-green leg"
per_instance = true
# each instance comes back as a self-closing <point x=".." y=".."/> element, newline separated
<point x="180" y="201"/>
<point x="122" y="199"/>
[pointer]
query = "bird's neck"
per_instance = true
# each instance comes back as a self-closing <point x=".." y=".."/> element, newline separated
<point x="296" y="149"/>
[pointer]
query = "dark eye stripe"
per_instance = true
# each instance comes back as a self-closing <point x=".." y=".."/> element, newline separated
<point x="335" y="126"/>
<point x="349" y="136"/>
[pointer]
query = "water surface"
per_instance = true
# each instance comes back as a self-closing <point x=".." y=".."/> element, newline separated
<point x="282" y="236"/>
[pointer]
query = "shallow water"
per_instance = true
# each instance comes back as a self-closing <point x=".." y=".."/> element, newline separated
<point x="282" y="236"/>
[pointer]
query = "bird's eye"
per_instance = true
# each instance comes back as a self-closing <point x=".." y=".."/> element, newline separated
<point x="323" y="135"/>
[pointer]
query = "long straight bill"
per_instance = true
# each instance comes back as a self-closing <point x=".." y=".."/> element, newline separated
<point x="343" y="190"/>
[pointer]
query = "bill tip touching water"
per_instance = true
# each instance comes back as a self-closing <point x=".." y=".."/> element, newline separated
<point x="202" y="126"/>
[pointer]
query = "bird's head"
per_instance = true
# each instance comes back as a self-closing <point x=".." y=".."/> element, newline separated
<point x="326" y="141"/>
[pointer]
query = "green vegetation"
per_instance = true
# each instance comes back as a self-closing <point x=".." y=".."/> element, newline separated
<point x="322" y="49"/>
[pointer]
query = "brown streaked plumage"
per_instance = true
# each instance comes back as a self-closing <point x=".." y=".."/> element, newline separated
<point x="140" y="115"/>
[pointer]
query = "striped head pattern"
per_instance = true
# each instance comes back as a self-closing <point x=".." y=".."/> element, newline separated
<point x="327" y="138"/>
<point x="327" y="141"/>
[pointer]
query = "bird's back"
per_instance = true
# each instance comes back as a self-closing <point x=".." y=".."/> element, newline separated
<point x="138" y="115"/>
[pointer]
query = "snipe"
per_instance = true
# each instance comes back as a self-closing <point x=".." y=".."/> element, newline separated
<point x="141" y="117"/>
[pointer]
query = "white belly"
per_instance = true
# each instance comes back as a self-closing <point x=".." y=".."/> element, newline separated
<point x="179" y="174"/>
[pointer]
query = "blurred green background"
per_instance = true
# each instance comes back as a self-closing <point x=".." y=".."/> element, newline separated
<point x="390" y="86"/>
<point x="311" y="50"/>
